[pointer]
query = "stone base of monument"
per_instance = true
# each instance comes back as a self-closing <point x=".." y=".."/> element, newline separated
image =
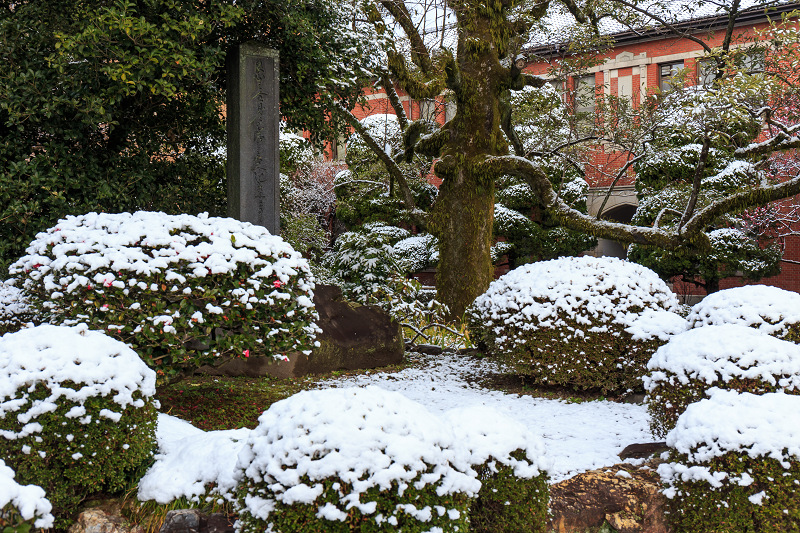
<point x="353" y="337"/>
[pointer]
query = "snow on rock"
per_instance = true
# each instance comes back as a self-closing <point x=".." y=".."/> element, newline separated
<point x="189" y="461"/>
<point x="586" y="289"/>
<point x="766" y="425"/>
<point x="723" y="353"/>
<point x="52" y="355"/>
<point x="28" y="500"/>
<point x="768" y="309"/>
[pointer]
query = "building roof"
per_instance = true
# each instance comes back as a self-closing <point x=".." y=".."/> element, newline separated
<point x="557" y="29"/>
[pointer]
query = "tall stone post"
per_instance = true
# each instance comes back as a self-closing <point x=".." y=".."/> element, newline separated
<point x="253" y="124"/>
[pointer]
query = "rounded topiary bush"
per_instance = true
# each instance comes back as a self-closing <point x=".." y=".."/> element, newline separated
<point x="768" y="309"/>
<point x="351" y="460"/>
<point x="76" y="413"/>
<point x="580" y="322"/>
<point x="342" y="460"/>
<point x="735" y="464"/>
<point x="729" y="357"/>
<point x="21" y="506"/>
<point x="14" y="309"/>
<point x="182" y="290"/>
<point x="508" y="461"/>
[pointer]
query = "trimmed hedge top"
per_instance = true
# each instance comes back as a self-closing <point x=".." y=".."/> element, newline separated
<point x="766" y="425"/>
<point x="89" y="249"/>
<point x="487" y="436"/>
<point x="723" y="353"/>
<point x="768" y="309"/>
<point x="28" y="500"/>
<point x="54" y="355"/>
<point x="589" y="290"/>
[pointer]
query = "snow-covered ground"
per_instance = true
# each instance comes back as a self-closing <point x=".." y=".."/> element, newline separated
<point x="577" y="436"/>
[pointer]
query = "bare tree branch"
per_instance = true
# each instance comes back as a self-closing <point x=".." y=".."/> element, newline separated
<point x="391" y="167"/>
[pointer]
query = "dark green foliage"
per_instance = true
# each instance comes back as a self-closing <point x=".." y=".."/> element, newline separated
<point x="113" y="454"/>
<point x="667" y="401"/>
<point x="607" y="361"/>
<point x="302" y="518"/>
<point x="12" y="522"/>
<point x="699" y="507"/>
<point x="509" y="504"/>
<point x="665" y="176"/>
<point x="108" y="106"/>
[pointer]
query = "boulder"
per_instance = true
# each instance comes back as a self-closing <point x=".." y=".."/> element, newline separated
<point x="622" y="498"/>
<point x="353" y="337"/>
<point x="195" y="521"/>
<point x="103" y="520"/>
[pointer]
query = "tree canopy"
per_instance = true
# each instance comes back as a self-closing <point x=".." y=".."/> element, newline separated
<point x="118" y="105"/>
<point x="479" y="145"/>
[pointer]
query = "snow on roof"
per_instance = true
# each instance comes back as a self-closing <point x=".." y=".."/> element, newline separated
<point x="585" y="289"/>
<point x="28" y="500"/>
<point x="722" y="353"/>
<point x="768" y="309"/>
<point x="558" y="25"/>
<point x="97" y="364"/>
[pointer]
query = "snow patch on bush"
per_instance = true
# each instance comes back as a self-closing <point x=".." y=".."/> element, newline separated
<point x="763" y="426"/>
<point x="28" y="500"/>
<point x="588" y="290"/>
<point x="370" y="438"/>
<point x="723" y="353"/>
<point x="101" y="366"/>
<point x="768" y="309"/>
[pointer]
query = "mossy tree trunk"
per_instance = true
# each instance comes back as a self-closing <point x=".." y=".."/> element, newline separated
<point x="464" y="211"/>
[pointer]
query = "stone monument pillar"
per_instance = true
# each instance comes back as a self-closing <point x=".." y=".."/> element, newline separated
<point x="253" y="124"/>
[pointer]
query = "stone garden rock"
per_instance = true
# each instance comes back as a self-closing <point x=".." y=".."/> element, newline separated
<point x="353" y="337"/>
<point x="195" y="521"/>
<point x="624" y="497"/>
<point x="101" y="520"/>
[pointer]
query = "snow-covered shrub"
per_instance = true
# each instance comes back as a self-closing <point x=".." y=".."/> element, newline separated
<point x="76" y="412"/>
<point x="728" y="357"/>
<point x="735" y="464"/>
<point x="342" y="460"/>
<point x="507" y="460"/>
<point x="14" y="309"/>
<point x="581" y="322"/>
<point x="22" y="506"/>
<point x="182" y="290"/>
<point x="373" y="264"/>
<point x="768" y="309"/>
